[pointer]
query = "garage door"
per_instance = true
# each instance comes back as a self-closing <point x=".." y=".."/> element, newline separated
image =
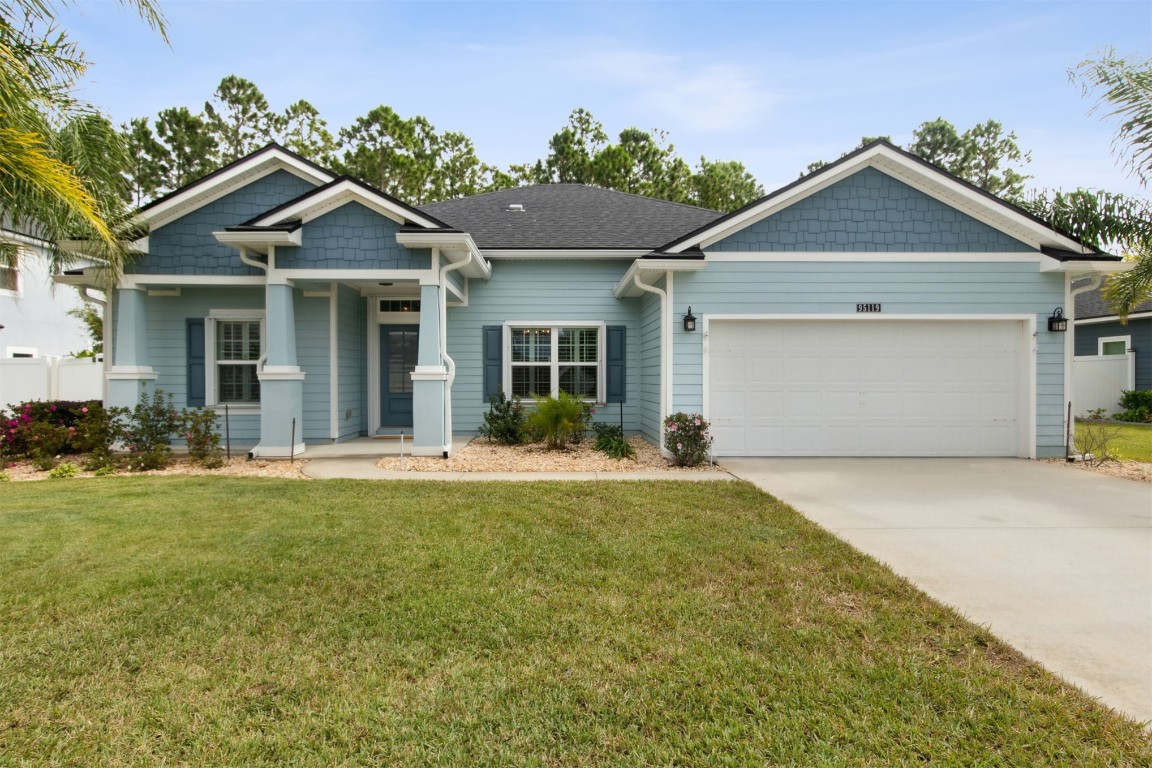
<point x="876" y="388"/>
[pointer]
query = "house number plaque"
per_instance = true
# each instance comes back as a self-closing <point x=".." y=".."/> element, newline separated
<point x="867" y="307"/>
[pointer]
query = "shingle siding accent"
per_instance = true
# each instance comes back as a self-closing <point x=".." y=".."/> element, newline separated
<point x="351" y="237"/>
<point x="186" y="246"/>
<point x="951" y="288"/>
<point x="870" y="211"/>
<point x="1140" y="329"/>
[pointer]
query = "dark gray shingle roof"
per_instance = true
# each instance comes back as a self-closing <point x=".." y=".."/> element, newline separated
<point x="1093" y="304"/>
<point x="569" y="216"/>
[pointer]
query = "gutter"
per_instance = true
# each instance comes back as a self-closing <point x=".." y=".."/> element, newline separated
<point x="1070" y="295"/>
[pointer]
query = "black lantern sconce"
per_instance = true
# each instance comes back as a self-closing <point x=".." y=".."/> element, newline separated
<point x="689" y="321"/>
<point x="1058" y="323"/>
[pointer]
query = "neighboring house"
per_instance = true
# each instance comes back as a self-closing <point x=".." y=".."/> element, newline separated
<point x="1100" y="332"/>
<point x="33" y="310"/>
<point x="877" y="307"/>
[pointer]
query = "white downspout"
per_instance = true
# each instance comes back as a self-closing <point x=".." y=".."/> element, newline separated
<point x="449" y="363"/>
<point x="252" y="262"/>
<point x="1070" y="295"/>
<point x="665" y="358"/>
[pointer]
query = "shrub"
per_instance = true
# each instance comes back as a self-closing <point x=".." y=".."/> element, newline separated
<point x="611" y="441"/>
<point x="203" y="439"/>
<point x="19" y="426"/>
<point x="686" y="437"/>
<point x="1094" y="438"/>
<point x="1137" y="405"/>
<point x="505" y="420"/>
<point x="99" y="430"/>
<point x="67" y="469"/>
<point x="150" y="430"/>
<point x="556" y="419"/>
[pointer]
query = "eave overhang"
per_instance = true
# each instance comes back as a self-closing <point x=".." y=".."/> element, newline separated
<point x="626" y="288"/>
<point x="259" y="239"/>
<point x="1085" y="266"/>
<point x="454" y="244"/>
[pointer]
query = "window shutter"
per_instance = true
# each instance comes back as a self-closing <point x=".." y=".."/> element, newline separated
<point x="195" y="347"/>
<point x="617" y="365"/>
<point x="493" y="360"/>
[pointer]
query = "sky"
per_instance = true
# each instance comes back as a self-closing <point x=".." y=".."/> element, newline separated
<point x="775" y="85"/>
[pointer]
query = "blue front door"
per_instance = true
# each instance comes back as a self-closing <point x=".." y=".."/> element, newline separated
<point x="399" y="345"/>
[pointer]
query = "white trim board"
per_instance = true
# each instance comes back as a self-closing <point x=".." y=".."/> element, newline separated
<point x="1113" y="318"/>
<point x="316" y="204"/>
<point x="934" y="257"/>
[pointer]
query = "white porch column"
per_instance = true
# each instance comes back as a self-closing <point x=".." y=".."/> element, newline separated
<point x="428" y="380"/>
<point x="129" y="376"/>
<point x="281" y="380"/>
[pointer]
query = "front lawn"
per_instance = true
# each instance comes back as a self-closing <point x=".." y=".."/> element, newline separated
<point x="1134" y="442"/>
<point x="202" y="622"/>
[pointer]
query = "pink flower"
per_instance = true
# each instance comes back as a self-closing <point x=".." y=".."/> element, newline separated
<point x="71" y="429"/>
<point x="697" y="422"/>
<point x="672" y="427"/>
<point x="679" y="446"/>
<point x="83" y="410"/>
<point x="52" y="408"/>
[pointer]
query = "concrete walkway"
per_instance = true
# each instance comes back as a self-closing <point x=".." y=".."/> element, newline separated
<point x="361" y="468"/>
<point x="1056" y="561"/>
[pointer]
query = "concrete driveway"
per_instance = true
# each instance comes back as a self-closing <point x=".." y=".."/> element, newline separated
<point x="1057" y="562"/>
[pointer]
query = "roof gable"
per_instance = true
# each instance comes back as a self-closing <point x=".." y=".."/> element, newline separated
<point x="906" y="168"/>
<point x="869" y="211"/>
<point x="1091" y="304"/>
<point x="228" y="179"/>
<point x="569" y="217"/>
<point x="338" y="193"/>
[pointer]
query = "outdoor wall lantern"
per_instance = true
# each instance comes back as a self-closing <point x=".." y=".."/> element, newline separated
<point x="1058" y="323"/>
<point x="689" y="321"/>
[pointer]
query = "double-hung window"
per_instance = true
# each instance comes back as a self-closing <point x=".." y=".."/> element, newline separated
<point x="546" y="359"/>
<point x="236" y="346"/>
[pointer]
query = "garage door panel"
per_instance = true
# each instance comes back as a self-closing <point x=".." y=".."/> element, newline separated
<point x="880" y="388"/>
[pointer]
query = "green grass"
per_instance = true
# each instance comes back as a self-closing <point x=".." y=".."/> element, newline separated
<point x="1134" y="442"/>
<point x="248" y="622"/>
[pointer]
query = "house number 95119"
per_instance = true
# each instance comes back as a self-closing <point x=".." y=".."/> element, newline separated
<point x="867" y="307"/>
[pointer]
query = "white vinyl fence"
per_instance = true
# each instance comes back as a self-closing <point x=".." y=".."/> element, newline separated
<point x="50" y="378"/>
<point x="1097" y="382"/>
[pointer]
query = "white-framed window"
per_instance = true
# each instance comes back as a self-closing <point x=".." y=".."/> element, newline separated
<point x="1113" y="345"/>
<point x="10" y="276"/>
<point x="234" y="351"/>
<point x="15" y="352"/>
<point x="545" y="358"/>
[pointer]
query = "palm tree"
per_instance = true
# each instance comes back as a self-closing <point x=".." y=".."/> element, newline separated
<point x="59" y="158"/>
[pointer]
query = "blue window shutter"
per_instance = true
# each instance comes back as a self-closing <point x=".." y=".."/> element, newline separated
<point x="493" y="360"/>
<point x="617" y="365"/>
<point x="195" y="347"/>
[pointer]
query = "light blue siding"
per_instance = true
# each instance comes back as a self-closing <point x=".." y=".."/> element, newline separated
<point x="313" y="357"/>
<point x="352" y="237"/>
<point x="351" y="414"/>
<point x="545" y="291"/>
<point x="869" y="211"/>
<point x="456" y="281"/>
<point x="167" y="352"/>
<point x="902" y="288"/>
<point x="1140" y="329"/>
<point x="186" y="246"/>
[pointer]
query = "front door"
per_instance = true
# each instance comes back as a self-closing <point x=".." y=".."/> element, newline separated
<point x="398" y="351"/>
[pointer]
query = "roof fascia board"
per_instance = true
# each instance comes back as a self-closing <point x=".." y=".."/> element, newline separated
<point x="1112" y="318"/>
<point x="212" y="188"/>
<point x="919" y="176"/>
<point x="267" y="238"/>
<point x="565" y="253"/>
<point x="626" y="287"/>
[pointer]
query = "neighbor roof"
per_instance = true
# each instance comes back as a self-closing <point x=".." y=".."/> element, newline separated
<point x="1093" y="304"/>
<point x="569" y="217"/>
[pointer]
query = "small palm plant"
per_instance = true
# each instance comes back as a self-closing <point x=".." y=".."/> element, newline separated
<point x="559" y="419"/>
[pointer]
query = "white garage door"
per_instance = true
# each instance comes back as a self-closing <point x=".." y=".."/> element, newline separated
<point x="866" y="388"/>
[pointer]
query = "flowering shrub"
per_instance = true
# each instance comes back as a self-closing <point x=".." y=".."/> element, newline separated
<point x="686" y="437"/>
<point x="98" y="431"/>
<point x="203" y="439"/>
<point x="18" y="428"/>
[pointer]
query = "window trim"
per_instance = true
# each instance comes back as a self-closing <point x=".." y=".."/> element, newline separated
<point x="18" y="291"/>
<point x="210" y="363"/>
<point x="555" y="325"/>
<point x="1100" y="342"/>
